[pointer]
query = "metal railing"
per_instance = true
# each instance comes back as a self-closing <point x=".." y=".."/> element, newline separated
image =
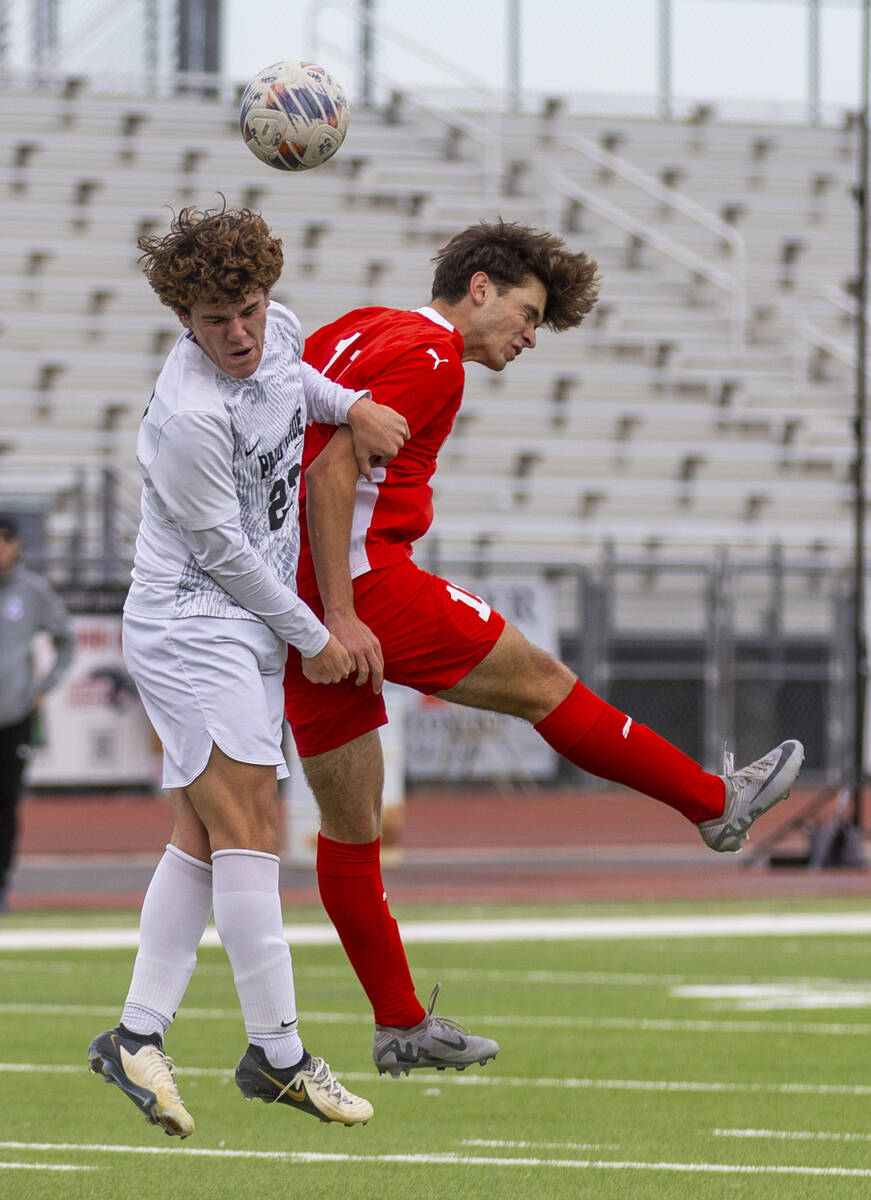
<point x="732" y="281"/>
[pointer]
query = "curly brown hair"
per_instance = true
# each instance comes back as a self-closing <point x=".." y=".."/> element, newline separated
<point x="509" y="254"/>
<point x="219" y="256"/>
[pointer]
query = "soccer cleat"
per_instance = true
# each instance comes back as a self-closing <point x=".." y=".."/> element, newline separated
<point x="310" y="1086"/>
<point x="435" y="1042"/>
<point x="750" y="792"/>
<point x="137" y="1065"/>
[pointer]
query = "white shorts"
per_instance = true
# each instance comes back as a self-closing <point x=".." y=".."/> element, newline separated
<point x="205" y="680"/>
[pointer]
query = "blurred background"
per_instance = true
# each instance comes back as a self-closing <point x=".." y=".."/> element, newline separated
<point x="671" y="497"/>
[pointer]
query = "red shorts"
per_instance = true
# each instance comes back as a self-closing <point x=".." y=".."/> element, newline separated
<point x="431" y="632"/>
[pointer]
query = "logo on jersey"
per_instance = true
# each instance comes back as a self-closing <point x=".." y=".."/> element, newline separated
<point x="438" y="360"/>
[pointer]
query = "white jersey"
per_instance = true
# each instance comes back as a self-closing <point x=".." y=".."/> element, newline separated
<point x="215" y="450"/>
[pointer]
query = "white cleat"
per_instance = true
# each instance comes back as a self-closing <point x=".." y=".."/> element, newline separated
<point x="138" y="1066"/>
<point x="311" y="1088"/>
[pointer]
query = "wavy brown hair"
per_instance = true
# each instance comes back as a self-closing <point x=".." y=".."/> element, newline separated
<point x="509" y="254"/>
<point x="218" y="256"/>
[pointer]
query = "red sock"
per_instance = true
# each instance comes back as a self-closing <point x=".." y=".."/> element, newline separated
<point x="349" y="878"/>
<point x="600" y="739"/>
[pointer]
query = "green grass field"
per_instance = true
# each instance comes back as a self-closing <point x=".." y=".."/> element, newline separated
<point x="640" y="1067"/>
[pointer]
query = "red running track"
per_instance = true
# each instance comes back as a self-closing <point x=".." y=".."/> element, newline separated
<point x="455" y="848"/>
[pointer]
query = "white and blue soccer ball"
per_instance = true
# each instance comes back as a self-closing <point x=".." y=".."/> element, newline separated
<point x="294" y="116"/>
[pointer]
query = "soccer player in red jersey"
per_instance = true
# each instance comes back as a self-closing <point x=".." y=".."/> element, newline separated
<point x="494" y="285"/>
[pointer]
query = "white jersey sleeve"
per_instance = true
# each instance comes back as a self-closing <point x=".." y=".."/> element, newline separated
<point x="197" y="489"/>
<point x="326" y="401"/>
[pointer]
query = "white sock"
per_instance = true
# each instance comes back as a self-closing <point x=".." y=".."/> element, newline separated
<point x="248" y="917"/>
<point x="174" y="915"/>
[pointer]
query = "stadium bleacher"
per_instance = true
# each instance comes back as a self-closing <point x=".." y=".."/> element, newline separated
<point x="705" y="402"/>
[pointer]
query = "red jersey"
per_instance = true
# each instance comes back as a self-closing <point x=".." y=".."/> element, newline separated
<point x="411" y="361"/>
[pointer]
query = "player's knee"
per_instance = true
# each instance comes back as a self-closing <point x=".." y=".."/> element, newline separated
<point x="244" y="821"/>
<point x="543" y="684"/>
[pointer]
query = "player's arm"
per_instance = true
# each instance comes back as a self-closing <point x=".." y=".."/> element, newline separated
<point x="224" y="552"/>
<point x="331" y="485"/>
<point x="378" y="431"/>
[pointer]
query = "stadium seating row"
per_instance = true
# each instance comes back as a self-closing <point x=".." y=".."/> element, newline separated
<point x="693" y="408"/>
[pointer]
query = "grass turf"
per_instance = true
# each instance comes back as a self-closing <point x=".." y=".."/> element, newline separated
<point x="616" y="1077"/>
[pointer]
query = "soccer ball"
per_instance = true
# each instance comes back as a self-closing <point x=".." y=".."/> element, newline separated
<point x="293" y="116"/>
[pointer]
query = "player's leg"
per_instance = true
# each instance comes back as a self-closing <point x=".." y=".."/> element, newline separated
<point x="347" y="784"/>
<point x="517" y="677"/>
<point x="237" y="803"/>
<point x="216" y="704"/>
<point x="336" y="733"/>
<point x="174" y="915"/>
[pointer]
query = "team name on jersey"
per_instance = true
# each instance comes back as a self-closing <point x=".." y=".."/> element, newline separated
<point x="270" y="460"/>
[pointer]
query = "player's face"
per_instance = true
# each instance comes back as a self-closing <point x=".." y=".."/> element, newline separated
<point x="231" y="334"/>
<point x="503" y="324"/>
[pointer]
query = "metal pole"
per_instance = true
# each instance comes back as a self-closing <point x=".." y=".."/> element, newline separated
<point x="514" y="67"/>
<point x="860" y="646"/>
<point x="44" y="18"/>
<point x="151" y="37"/>
<point x="367" y="50"/>
<point x="109" y="548"/>
<point x="665" y="106"/>
<point x="5" y="35"/>
<point x="813" y="61"/>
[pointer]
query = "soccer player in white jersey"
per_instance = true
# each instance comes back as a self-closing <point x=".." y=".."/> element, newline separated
<point x="211" y="607"/>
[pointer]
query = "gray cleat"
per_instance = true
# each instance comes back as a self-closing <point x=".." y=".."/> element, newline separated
<point x="750" y="792"/>
<point x="435" y="1042"/>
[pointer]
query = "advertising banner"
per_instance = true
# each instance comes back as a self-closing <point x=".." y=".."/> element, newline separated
<point x="92" y="728"/>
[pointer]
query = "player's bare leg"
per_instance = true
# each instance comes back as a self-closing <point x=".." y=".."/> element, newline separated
<point x="236" y="803"/>
<point x="347" y="783"/>
<point x="189" y="833"/>
<point x="516" y="677"/>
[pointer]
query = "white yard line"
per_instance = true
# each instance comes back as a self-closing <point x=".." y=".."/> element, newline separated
<point x="524" y="978"/>
<point x="631" y="1024"/>
<point x="507" y="930"/>
<point x="792" y="1135"/>
<point x="502" y="1144"/>
<point x="502" y="1081"/>
<point x="20" y="1166"/>
<point x="449" y="1159"/>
